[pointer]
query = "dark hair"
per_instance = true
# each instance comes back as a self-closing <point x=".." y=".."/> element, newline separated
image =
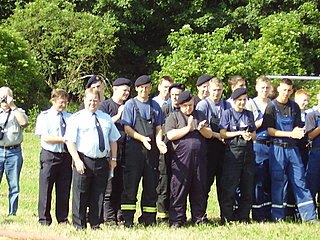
<point x="286" y="81"/>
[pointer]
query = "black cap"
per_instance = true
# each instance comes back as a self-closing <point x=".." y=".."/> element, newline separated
<point x="92" y="80"/>
<point x="144" y="79"/>
<point x="202" y="79"/>
<point x="121" y="81"/>
<point x="184" y="97"/>
<point x="238" y="92"/>
<point x="180" y="86"/>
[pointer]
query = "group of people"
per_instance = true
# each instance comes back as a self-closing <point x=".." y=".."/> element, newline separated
<point x="261" y="152"/>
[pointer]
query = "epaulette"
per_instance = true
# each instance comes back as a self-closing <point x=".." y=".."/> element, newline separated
<point x="45" y="112"/>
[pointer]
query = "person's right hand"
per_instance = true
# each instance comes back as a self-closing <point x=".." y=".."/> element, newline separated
<point x="146" y="143"/>
<point x="79" y="166"/>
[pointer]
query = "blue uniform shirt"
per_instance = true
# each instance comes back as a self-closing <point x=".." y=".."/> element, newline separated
<point x="217" y="108"/>
<point x="82" y="131"/>
<point x="145" y="109"/>
<point x="312" y="122"/>
<point x="235" y="121"/>
<point x="48" y="123"/>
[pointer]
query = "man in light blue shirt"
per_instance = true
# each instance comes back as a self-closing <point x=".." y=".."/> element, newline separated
<point x="55" y="161"/>
<point x="91" y="138"/>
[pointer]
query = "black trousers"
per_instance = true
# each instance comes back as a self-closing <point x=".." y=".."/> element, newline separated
<point x="238" y="169"/>
<point x="140" y="163"/>
<point x="55" y="169"/>
<point x="88" y="191"/>
<point x="215" y="155"/>
<point x="163" y="188"/>
<point x="112" y="196"/>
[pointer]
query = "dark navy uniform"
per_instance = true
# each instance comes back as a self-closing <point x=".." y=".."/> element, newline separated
<point x="188" y="169"/>
<point x="55" y="167"/>
<point x="112" y="197"/>
<point x="144" y="118"/>
<point x="238" y="166"/>
<point x="313" y="167"/>
<point x="285" y="162"/>
<point x="163" y="188"/>
<point x="215" y="147"/>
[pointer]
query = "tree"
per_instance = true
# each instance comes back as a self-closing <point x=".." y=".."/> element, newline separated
<point x="67" y="43"/>
<point x="19" y="69"/>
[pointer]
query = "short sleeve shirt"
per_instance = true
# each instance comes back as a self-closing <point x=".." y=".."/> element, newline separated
<point x="82" y="131"/>
<point x="49" y="123"/>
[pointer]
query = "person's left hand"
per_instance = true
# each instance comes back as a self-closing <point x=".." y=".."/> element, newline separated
<point x="162" y="147"/>
<point x="112" y="164"/>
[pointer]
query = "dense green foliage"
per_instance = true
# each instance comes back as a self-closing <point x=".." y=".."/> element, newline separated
<point x="19" y="69"/>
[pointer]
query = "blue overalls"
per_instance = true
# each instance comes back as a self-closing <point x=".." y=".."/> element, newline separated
<point x="261" y="207"/>
<point x="286" y="164"/>
<point x="313" y="168"/>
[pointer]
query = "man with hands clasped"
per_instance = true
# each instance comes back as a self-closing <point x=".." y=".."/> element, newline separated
<point x="282" y="118"/>
<point x="187" y="129"/>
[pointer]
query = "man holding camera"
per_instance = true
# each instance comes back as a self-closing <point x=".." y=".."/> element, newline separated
<point x="12" y="120"/>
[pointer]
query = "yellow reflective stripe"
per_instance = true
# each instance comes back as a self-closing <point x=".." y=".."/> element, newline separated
<point x="128" y="207"/>
<point x="162" y="215"/>
<point x="318" y="204"/>
<point x="149" y="209"/>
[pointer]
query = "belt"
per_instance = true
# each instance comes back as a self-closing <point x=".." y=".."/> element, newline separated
<point x="265" y="142"/>
<point x="285" y="144"/>
<point x="10" y="147"/>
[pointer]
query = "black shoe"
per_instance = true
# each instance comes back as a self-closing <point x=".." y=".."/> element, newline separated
<point x="96" y="227"/>
<point x="79" y="228"/>
<point x="128" y="224"/>
<point x="66" y="222"/>
<point x="162" y="220"/>
<point x="45" y="223"/>
<point x="176" y="225"/>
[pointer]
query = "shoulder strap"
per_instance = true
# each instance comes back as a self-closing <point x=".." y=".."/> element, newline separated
<point x="6" y="122"/>
<point x="209" y="106"/>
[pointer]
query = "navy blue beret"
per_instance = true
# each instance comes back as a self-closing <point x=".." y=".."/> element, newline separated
<point x="180" y="86"/>
<point x="238" y="92"/>
<point x="144" y="79"/>
<point x="121" y="81"/>
<point x="202" y="79"/>
<point x="92" y="80"/>
<point x="184" y="97"/>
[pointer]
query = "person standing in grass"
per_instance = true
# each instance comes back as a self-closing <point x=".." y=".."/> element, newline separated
<point x="261" y="207"/>
<point x="142" y="121"/>
<point x="238" y="129"/>
<point x="212" y="107"/>
<point x="91" y="136"/>
<point x="187" y="129"/>
<point x="282" y="118"/>
<point x="12" y="120"/>
<point x="55" y="161"/>
<point x="313" y="166"/>
<point x="114" y="107"/>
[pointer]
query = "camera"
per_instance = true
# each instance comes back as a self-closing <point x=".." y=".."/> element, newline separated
<point x="4" y="99"/>
<point x="1" y="133"/>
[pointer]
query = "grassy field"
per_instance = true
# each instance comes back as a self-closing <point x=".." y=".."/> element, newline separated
<point x="26" y="220"/>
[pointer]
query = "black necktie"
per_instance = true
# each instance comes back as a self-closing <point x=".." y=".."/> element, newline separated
<point x="100" y="134"/>
<point x="62" y="124"/>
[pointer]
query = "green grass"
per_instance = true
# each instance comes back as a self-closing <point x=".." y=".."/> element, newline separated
<point x="26" y="219"/>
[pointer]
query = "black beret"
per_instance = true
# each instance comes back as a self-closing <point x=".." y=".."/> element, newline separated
<point x="92" y="80"/>
<point x="121" y="81"/>
<point x="144" y="79"/>
<point x="180" y="86"/>
<point x="184" y="97"/>
<point x="202" y="79"/>
<point x="238" y="92"/>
